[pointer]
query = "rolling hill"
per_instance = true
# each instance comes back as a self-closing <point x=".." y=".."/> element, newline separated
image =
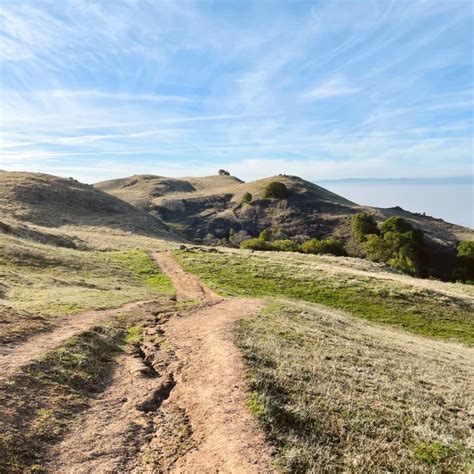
<point x="210" y="210"/>
<point x="34" y="199"/>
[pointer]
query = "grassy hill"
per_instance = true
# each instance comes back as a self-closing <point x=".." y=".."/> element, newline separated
<point x="53" y="202"/>
<point x="210" y="209"/>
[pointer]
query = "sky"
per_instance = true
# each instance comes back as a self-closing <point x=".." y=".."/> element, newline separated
<point x="320" y="89"/>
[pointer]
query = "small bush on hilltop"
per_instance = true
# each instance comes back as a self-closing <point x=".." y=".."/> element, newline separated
<point x="363" y="225"/>
<point x="330" y="246"/>
<point x="247" y="198"/>
<point x="275" y="190"/>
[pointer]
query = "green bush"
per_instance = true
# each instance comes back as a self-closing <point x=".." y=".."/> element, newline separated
<point x="466" y="249"/>
<point x="247" y="198"/>
<point x="363" y="225"/>
<point x="464" y="269"/>
<point x="255" y="244"/>
<point x="399" y="245"/>
<point x="330" y="246"/>
<point x="395" y="224"/>
<point x="284" y="245"/>
<point x="276" y="190"/>
<point x="264" y="235"/>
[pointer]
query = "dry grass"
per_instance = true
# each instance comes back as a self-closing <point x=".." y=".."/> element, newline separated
<point x="54" y="281"/>
<point x="55" y="202"/>
<point x="336" y="394"/>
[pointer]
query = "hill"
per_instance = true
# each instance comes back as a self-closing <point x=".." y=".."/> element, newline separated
<point x="52" y="202"/>
<point x="210" y="210"/>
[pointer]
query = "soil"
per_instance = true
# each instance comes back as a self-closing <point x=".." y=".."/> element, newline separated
<point x="175" y="401"/>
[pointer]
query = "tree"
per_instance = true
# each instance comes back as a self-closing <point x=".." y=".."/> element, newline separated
<point x="464" y="270"/>
<point x="247" y="198"/>
<point x="466" y="249"/>
<point x="224" y="173"/>
<point x="395" y="224"/>
<point x="363" y="225"/>
<point x="276" y="190"/>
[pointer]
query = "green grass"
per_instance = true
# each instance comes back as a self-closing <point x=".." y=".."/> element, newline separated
<point x="421" y="311"/>
<point x="56" y="281"/>
<point x="143" y="267"/>
<point x="83" y="361"/>
<point x="334" y="397"/>
<point x="134" y="335"/>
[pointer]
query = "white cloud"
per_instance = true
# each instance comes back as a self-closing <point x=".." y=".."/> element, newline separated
<point x="331" y="88"/>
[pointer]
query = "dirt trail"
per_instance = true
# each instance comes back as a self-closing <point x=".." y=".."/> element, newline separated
<point x="108" y="436"/>
<point x="14" y="357"/>
<point x="210" y="382"/>
<point x="174" y="403"/>
<point x="187" y="286"/>
<point x="211" y="386"/>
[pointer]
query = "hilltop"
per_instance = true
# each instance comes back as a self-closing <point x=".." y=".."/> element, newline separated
<point x="210" y="210"/>
<point x="51" y="202"/>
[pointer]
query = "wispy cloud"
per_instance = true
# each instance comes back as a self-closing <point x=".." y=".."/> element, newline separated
<point x="331" y="88"/>
<point x="318" y="89"/>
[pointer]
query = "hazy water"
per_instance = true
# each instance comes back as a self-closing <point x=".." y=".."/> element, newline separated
<point x="451" y="202"/>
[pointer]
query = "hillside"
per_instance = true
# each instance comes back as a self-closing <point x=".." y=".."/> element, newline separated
<point x="210" y="210"/>
<point x="58" y="203"/>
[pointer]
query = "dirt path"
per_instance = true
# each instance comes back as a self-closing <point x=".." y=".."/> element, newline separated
<point x="210" y="383"/>
<point x="187" y="286"/>
<point x="108" y="436"/>
<point x="14" y="357"/>
<point x="211" y="386"/>
<point x="175" y="403"/>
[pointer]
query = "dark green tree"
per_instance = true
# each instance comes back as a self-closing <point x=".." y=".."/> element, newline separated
<point x="276" y="190"/>
<point x="363" y="224"/>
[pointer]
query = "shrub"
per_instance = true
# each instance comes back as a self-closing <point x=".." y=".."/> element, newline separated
<point x="284" y="245"/>
<point x="223" y="173"/>
<point x="399" y="245"/>
<point x="362" y="225"/>
<point x="275" y="190"/>
<point x="255" y="244"/>
<point x="464" y="270"/>
<point x="247" y="198"/>
<point x="466" y="249"/>
<point x="264" y="235"/>
<point x="395" y="224"/>
<point x="330" y="246"/>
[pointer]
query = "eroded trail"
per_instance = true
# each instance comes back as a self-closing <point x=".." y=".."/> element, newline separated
<point x="15" y="356"/>
<point x="210" y="385"/>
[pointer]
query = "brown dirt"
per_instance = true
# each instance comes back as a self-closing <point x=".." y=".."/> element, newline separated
<point x="187" y="286"/>
<point x="210" y="383"/>
<point x="15" y="356"/>
<point x="178" y="403"/>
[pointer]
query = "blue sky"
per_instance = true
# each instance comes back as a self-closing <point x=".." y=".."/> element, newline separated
<point x="321" y="89"/>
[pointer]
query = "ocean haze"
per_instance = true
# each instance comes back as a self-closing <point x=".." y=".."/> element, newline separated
<point x="451" y="199"/>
